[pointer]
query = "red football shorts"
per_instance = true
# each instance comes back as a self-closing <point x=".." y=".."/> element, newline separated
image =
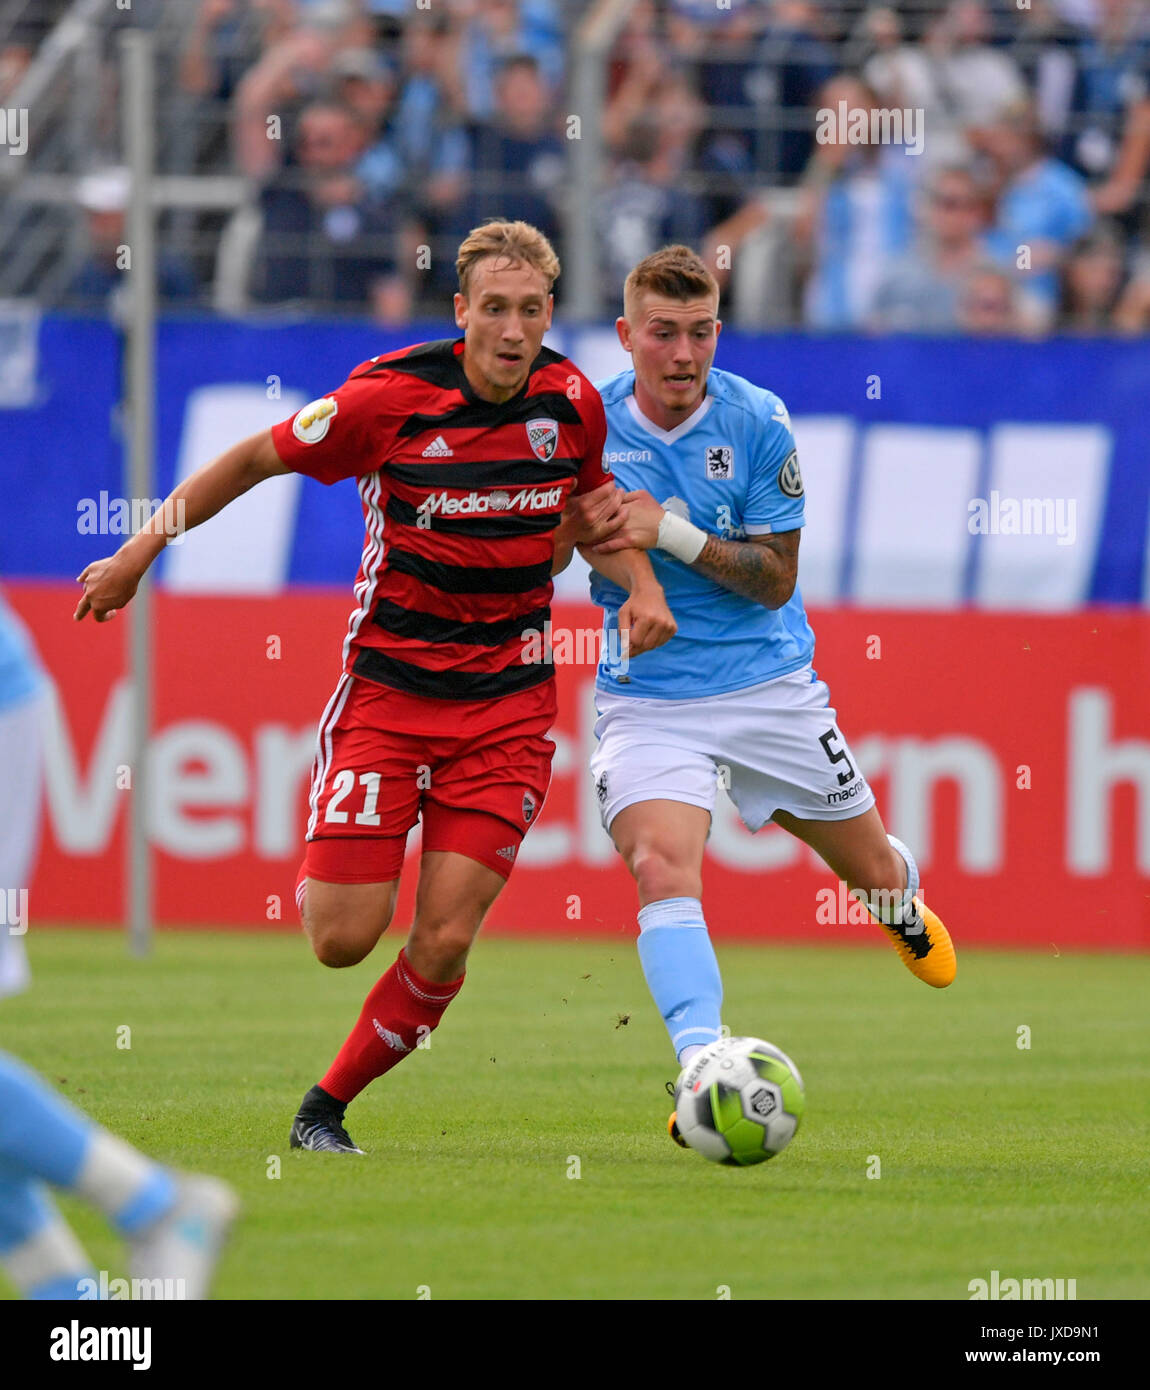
<point x="477" y="772"/>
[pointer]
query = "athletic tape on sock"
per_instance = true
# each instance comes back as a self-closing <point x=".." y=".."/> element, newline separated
<point x="672" y="912"/>
<point x="911" y="871"/>
<point x="113" y="1173"/>
<point x="894" y="909"/>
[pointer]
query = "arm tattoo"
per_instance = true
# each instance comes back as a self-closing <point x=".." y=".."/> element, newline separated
<point x="763" y="569"/>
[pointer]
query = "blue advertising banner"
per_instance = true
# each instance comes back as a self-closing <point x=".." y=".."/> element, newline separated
<point x="939" y="473"/>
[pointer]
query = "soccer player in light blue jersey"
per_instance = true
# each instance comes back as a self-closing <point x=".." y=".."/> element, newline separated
<point x="173" y="1223"/>
<point x="715" y="494"/>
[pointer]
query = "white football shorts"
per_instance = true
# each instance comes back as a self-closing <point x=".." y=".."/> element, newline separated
<point x="774" y="746"/>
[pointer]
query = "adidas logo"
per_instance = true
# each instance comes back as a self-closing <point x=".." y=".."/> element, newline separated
<point x="507" y="852"/>
<point x="393" y="1040"/>
<point x="438" y="449"/>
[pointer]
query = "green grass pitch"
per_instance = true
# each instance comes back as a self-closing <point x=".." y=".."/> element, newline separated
<point x="988" y="1155"/>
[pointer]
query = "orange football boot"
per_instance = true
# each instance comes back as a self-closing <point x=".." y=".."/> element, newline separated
<point x="928" y="954"/>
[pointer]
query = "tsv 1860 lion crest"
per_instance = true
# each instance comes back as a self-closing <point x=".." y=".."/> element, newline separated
<point x="543" y="436"/>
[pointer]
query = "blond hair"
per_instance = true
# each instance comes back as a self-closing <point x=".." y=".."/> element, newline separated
<point x="676" y="272"/>
<point x="513" y="242"/>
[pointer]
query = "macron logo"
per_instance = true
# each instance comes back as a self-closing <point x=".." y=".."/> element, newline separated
<point x="438" y="449"/>
<point x="393" y="1040"/>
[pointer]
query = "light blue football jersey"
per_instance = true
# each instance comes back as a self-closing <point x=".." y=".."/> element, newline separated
<point x="732" y="470"/>
<point x="20" y="673"/>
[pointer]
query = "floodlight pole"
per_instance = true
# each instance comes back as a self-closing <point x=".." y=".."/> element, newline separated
<point x="138" y="114"/>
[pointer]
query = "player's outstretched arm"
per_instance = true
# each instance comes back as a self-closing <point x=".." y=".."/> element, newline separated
<point x="763" y="569"/>
<point x="110" y="584"/>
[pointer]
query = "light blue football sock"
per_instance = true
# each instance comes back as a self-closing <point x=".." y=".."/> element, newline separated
<point x="43" y="1136"/>
<point x="682" y="972"/>
<point x="40" y="1132"/>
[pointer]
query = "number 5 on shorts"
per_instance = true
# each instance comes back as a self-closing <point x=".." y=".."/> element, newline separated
<point x="839" y="757"/>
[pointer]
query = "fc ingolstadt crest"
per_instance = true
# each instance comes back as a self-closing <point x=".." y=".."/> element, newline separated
<point x="543" y="436"/>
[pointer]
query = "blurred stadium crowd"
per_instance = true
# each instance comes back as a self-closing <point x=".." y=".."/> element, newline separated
<point x="345" y="146"/>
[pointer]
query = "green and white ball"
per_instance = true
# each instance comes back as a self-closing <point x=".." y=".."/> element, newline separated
<point x="739" y="1101"/>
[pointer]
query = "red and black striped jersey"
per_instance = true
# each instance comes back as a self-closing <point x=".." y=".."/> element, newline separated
<point x="461" y="497"/>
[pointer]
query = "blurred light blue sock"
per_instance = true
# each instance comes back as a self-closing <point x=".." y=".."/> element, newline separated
<point x="43" y="1136"/>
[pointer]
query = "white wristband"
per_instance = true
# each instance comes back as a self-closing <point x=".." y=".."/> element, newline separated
<point x="680" y="538"/>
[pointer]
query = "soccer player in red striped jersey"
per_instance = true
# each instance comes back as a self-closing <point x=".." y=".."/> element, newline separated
<point x="477" y="460"/>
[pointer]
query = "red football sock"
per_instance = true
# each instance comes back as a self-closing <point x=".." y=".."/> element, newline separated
<point x="400" y="1012"/>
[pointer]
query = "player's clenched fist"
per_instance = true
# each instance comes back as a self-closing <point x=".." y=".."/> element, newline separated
<point x="647" y="618"/>
<point x="108" y="585"/>
<point x="638" y="525"/>
<point x="594" y="516"/>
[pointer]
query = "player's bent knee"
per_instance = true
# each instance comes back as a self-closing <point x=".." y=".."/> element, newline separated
<point x="658" y="875"/>
<point x="339" y="944"/>
<point x="337" y="950"/>
<point x="449" y="943"/>
<point x="344" y="927"/>
<point x="441" y="944"/>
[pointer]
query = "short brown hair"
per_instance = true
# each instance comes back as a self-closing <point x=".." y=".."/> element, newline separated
<point x="676" y="272"/>
<point x="515" y="242"/>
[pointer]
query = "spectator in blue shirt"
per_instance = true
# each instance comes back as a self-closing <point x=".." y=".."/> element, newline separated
<point x="517" y="162"/>
<point x="366" y="84"/>
<point x="1043" y="208"/>
<point x="855" y="218"/>
<point x="716" y="45"/>
<point x="323" y="240"/>
<point x="428" y="121"/>
<point x="648" y="199"/>
<point x="922" y="291"/>
<point x="502" y="29"/>
<point x="792" y="63"/>
<point x="1112" y="142"/>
